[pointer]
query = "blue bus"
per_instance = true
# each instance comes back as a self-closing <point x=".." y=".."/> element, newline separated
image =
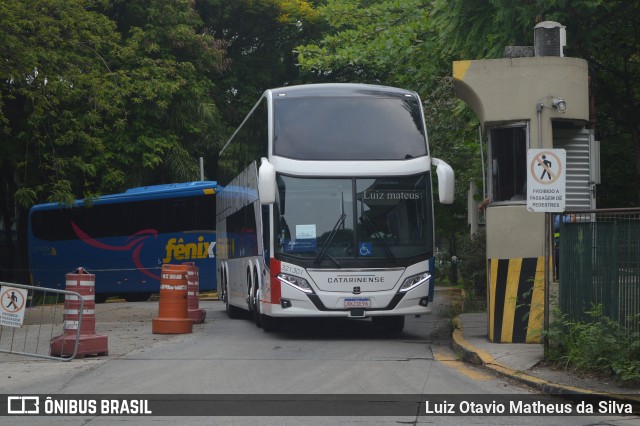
<point x="125" y="238"/>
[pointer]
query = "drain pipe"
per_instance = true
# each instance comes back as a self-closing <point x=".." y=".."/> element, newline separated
<point x="484" y="176"/>
<point x="539" y="108"/>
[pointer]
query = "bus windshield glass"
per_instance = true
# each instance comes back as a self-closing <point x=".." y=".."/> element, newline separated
<point x="349" y="128"/>
<point x="337" y="221"/>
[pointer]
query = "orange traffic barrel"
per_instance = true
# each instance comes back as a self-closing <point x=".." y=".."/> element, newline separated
<point x="80" y="319"/>
<point x="172" y="311"/>
<point x="194" y="312"/>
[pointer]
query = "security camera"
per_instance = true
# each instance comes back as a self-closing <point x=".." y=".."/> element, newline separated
<point x="560" y="105"/>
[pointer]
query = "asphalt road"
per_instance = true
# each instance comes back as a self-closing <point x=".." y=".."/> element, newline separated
<point x="234" y="357"/>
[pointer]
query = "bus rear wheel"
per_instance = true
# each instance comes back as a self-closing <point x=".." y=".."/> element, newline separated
<point x="255" y="297"/>
<point x="233" y="312"/>
<point x="136" y="297"/>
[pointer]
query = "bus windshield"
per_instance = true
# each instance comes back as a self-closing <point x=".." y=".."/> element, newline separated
<point x="349" y="128"/>
<point x="337" y="221"/>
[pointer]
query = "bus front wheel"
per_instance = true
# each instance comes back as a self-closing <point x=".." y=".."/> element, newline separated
<point x="269" y="323"/>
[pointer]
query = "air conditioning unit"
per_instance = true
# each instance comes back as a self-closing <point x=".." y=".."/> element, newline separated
<point x="549" y="38"/>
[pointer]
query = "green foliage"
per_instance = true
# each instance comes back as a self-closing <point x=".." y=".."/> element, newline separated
<point x="166" y="64"/>
<point x="473" y="266"/>
<point x="599" y="345"/>
<point x="260" y="37"/>
<point x="25" y="197"/>
<point x="386" y="41"/>
<point x="96" y="96"/>
<point x="52" y="119"/>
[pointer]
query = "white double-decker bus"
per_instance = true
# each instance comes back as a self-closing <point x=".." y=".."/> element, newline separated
<point x="326" y="206"/>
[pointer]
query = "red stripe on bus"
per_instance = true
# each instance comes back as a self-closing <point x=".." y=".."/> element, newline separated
<point x="276" y="291"/>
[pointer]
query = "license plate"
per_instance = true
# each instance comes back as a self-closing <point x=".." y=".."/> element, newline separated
<point x="357" y="302"/>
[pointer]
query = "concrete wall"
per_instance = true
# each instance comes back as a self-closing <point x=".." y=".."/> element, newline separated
<point x="514" y="232"/>
<point x="507" y="90"/>
<point x="502" y="91"/>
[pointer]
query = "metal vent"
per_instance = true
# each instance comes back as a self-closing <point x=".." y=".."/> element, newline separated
<point x="579" y="145"/>
<point x="549" y="38"/>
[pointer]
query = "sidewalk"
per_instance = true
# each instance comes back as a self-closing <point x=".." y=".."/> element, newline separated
<point x="522" y="362"/>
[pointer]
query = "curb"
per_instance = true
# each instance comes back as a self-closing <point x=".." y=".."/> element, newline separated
<point x="473" y="355"/>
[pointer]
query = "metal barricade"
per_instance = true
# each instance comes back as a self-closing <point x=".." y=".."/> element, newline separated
<point x="44" y="319"/>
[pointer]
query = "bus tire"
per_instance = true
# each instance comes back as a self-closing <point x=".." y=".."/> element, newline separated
<point x="250" y="305"/>
<point x="257" y="317"/>
<point x="269" y="323"/>
<point x="101" y="298"/>
<point x="233" y="312"/>
<point x="256" y="300"/>
<point x="393" y="324"/>
<point x="136" y="297"/>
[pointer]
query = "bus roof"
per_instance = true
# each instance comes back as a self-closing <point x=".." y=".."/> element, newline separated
<point x="340" y="89"/>
<point x="144" y="192"/>
<point x="172" y="187"/>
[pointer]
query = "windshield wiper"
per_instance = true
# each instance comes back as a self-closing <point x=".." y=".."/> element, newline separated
<point x="325" y="246"/>
<point x="369" y="225"/>
<point x="339" y="224"/>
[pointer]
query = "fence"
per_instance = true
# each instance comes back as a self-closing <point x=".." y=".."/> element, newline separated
<point x="43" y="320"/>
<point x="600" y="265"/>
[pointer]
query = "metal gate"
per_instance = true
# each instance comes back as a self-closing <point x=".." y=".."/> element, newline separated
<point x="600" y="265"/>
<point x="44" y="319"/>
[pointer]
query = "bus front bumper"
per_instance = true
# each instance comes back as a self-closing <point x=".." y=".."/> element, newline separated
<point x="295" y="303"/>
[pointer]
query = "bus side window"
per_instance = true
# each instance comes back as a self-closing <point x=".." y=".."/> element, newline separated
<point x="181" y="217"/>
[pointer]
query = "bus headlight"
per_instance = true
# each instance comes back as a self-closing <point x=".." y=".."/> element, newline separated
<point x="296" y="282"/>
<point x="414" y="281"/>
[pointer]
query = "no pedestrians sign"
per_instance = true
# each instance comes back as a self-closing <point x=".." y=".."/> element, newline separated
<point x="13" y="306"/>
<point x="546" y="180"/>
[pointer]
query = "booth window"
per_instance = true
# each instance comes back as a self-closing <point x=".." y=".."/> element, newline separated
<point x="507" y="167"/>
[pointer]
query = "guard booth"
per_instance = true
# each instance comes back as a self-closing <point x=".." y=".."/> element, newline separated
<point x="539" y="100"/>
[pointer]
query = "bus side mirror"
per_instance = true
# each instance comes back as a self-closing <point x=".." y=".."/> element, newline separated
<point x="266" y="182"/>
<point x="446" y="181"/>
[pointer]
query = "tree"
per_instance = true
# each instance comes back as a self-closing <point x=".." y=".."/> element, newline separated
<point x="607" y="35"/>
<point x="86" y="109"/>
<point x="168" y="65"/>
<point x="55" y="92"/>
<point x="260" y="37"/>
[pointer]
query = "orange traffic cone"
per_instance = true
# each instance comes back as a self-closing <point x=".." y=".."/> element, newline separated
<point x="77" y="323"/>
<point x="196" y="314"/>
<point x="172" y="315"/>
